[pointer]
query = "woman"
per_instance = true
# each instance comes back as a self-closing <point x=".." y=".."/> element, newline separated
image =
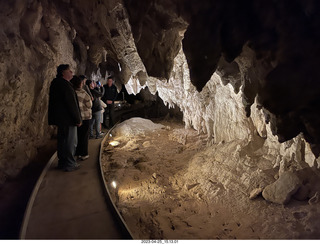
<point x="85" y="105"/>
<point x="97" y="92"/>
<point x="85" y="86"/>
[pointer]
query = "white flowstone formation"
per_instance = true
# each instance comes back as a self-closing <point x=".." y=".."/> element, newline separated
<point x="136" y="126"/>
<point x="219" y="112"/>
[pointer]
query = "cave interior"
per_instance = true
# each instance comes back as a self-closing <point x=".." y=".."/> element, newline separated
<point x="243" y="75"/>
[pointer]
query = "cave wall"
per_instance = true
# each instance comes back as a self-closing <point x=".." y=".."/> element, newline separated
<point x="34" y="39"/>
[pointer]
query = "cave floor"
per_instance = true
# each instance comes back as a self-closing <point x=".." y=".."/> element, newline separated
<point x="172" y="185"/>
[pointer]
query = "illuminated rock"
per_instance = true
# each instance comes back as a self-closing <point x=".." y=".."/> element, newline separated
<point x="281" y="190"/>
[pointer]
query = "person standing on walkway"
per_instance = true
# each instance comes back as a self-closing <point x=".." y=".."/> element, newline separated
<point x="85" y="86"/>
<point x="64" y="112"/>
<point x="97" y="93"/>
<point x="109" y="97"/>
<point x="85" y="105"/>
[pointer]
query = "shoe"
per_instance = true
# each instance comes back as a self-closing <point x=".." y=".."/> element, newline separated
<point x="79" y="158"/>
<point x="75" y="167"/>
<point x="91" y="137"/>
<point x="84" y="157"/>
<point x="99" y="136"/>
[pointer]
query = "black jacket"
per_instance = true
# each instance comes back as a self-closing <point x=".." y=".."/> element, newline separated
<point x="110" y="93"/>
<point x="97" y="93"/>
<point x="63" y="104"/>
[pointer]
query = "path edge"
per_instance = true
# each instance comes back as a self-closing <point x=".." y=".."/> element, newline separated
<point x="124" y="226"/>
<point x="27" y="214"/>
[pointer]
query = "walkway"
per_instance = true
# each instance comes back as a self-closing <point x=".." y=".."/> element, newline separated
<point x="72" y="205"/>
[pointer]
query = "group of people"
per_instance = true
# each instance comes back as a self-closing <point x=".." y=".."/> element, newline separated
<point x="76" y="106"/>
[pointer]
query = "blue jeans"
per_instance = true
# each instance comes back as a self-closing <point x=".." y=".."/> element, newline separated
<point x="96" y="120"/>
<point x="67" y="143"/>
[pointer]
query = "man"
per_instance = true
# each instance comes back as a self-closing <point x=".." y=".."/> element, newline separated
<point x="64" y="112"/>
<point x="109" y="97"/>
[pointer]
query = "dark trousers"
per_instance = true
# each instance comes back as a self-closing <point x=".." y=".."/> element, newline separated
<point x="83" y="138"/>
<point x="109" y="112"/>
<point x="67" y="143"/>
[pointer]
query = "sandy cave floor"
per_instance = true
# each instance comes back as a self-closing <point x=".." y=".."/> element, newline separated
<point x="171" y="185"/>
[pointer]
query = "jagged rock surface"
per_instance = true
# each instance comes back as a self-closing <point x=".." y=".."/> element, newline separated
<point x="284" y="37"/>
<point x="37" y="36"/>
<point x="33" y="40"/>
<point x="267" y="52"/>
<point x="219" y="112"/>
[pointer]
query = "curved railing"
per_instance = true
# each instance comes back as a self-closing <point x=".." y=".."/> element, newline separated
<point x="124" y="227"/>
<point x="33" y="196"/>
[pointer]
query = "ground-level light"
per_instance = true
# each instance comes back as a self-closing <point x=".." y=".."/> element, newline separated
<point x="114" y="184"/>
<point x="114" y="143"/>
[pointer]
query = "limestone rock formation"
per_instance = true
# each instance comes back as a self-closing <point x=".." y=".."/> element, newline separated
<point x="33" y="40"/>
<point x="282" y="189"/>
<point x="255" y="193"/>
<point x="283" y="37"/>
<point x="218" y="112"/>
<point x="36" y="36"/>
<point x="265" y="55"/>
<point x="136" y="126"/>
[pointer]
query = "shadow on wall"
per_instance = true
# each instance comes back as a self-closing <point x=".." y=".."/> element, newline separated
<point x="15" y="193"/>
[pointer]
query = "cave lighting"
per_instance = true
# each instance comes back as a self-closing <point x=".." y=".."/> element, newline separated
<point x="114" y="143"/>
<point x="110" y="135"/>
<point x="114" y="184"/>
